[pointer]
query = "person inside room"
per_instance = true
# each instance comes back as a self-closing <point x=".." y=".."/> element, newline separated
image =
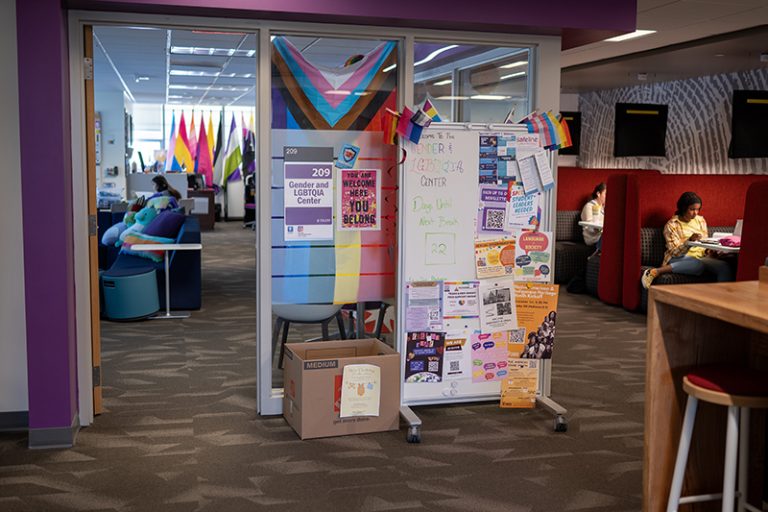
<point x="594" y="211"/>
<point x="688" y="225"/>
<point x="163" y="188"/>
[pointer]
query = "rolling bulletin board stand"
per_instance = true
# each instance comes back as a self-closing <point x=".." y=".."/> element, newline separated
<point x="438" y="205"/>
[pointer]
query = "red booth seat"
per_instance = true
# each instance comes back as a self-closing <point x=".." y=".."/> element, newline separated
<point x="651" y="201"/>
<point x="754" y="233"/>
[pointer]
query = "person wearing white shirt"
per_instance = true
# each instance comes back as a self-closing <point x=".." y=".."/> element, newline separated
<point x="594" y="211"/>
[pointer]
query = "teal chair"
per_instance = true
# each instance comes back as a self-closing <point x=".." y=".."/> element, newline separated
<point x="129" y="295"/>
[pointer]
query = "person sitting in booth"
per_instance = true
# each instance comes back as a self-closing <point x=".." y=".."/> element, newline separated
<point x="688" y="225"/>
<point x="594" y="211"/>
<point x="163" y="188"/>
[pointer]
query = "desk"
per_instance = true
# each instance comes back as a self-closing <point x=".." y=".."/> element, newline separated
<point x="714" y="247"/>
<point x="690" y="324"/>
<point x="595" y="225"/>
<point x="205" y="209"/>
<point x="165" y="248"/>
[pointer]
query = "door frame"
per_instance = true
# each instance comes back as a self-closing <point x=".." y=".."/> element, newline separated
<point x="544" y="93"/>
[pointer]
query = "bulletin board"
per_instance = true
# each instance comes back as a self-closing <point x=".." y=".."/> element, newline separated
<point x="439" y="206"/>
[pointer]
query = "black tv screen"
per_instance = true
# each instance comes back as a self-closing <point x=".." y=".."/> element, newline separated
<point x="641" y="129"/>
<point x="573" y="119"/>
<point x="748" y="122"/>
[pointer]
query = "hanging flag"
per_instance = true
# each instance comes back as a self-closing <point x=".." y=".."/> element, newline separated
<point x="204" y="165"/>
<point x="209" y="131"/>
<point x="192" y="138"/>
<point x="557" y="129"/>
<point x="171" y="143"/>
<point x="404" y="123"/>
<point x="182" y="159"/>
<point x="390" y="120"/>
<point x="234" y="157"/>
<point x="218" y="153"/>
<point x="431" y="111"/>
<point x="249" y="149"/>
<point x="568" y="142"/>
<point x="245" y="132"/>
<point x="551" y="130"/>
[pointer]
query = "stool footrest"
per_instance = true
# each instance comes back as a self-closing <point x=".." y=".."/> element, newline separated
<point x="751" y="508"/>
<point x="699" y="498"/>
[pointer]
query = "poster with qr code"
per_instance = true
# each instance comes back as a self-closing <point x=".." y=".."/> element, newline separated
<point x="457" y="362"/>
<point x="424" y="356"/>
<point x="518" y="389"/>
<point x="494" y="258"/>
<point x="492" y="210"/>
<point x="489" y="356"/>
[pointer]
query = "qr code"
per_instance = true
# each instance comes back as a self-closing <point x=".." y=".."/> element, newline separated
<point x="455" y="366"/>
<point x="433" y="366"/>
<point x="494" y="219"/>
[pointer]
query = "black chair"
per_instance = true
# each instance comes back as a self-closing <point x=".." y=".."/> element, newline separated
<point x="351" y="310"/>
<point x="288" y="314"/>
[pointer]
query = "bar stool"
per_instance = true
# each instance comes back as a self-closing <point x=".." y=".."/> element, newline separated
<point x="740" y="389"/>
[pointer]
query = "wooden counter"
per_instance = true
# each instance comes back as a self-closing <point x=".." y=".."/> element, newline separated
<point x="688" y="325"/>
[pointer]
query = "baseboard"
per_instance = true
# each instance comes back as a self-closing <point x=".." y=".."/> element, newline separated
<point x="14" y="421"/>
<point x="48" y="438"/>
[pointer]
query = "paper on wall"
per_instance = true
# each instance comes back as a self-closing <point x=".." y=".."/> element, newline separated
<point x="492" y="210"/>
<point x="536" y="307"/>
<point x="498" y="310"/>
<point x="545" y="171"/>
<point x="424" y="357"/>
<point x="360" y="390"/>
<point x="529" y="175"/>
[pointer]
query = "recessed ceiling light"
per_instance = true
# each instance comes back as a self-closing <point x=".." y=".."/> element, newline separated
<point x="216" y="52"/>
<point x="389" y="68"/>
<point x="444" y="82"/>
<point x="211" y="74"/>
<point x="452" y="98"/>
<point x="515" y="64"/>
<point x="208" y="88"/>
<point x="141" y="78"/>
<point x="512" y="75"/>
<point x="631" y="35"/>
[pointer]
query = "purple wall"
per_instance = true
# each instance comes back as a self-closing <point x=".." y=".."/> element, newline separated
<point x="46" y="183"/>
<point x="593" y="19"/>
<point x="45" y="136"/>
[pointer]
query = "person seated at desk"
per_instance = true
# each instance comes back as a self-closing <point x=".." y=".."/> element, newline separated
<point x="688" y="226"/>
<point x="163" y="188"/>
<point x="594" y="211"/>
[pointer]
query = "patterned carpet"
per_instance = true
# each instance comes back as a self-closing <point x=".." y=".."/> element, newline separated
<point x="180" y="432"/>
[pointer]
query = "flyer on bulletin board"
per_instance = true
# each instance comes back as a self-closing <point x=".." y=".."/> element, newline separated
<point x="360" y="390"/>
<point x="424" y="311"/>
<point x="533" y="256"/>
<point x="494" y="258"/>
<point x="457" y="360"/>
<point x="498" y="311"/>
<point x="488" y="157"/>
<point x="461" y="299"/>
<point x="358" y="207"/>
<point x="523" y="210"/>
<point x="489" y="356"/>
<point x="492" y="210"/>
<point x="536" y="307"/>
<point x="424" y="357"/>
<point x="518" y="389"/>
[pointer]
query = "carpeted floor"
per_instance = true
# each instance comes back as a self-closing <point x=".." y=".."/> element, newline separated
<point x="180" y="432"/>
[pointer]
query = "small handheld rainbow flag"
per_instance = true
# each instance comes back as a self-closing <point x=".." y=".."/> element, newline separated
<point x="431" y="111"/>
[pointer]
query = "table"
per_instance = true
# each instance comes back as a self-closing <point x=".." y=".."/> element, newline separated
<point x="691" y="324"/>
<point x="714" y="247"/>
<point x="165" y="248"/>
<point x="587" y="224"/>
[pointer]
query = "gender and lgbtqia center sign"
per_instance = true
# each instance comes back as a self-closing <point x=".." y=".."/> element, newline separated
<point x="308" y="193"/>
<point x="359" y="193"/>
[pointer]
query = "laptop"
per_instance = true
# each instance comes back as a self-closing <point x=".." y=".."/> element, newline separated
<point x="737" y="229"/>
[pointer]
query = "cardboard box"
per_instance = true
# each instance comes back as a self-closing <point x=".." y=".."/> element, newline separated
<point x="312" y="380"/>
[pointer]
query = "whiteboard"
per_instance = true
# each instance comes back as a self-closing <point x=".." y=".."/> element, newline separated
<point x="440" y="187"/>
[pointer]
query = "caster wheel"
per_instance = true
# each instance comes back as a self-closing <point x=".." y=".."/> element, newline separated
<point x="561" y="424"/>
<point x="413" y="435"/>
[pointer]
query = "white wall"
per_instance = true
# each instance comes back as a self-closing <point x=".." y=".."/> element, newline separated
<point x="13" y="334"/>
<point x="110" y="104"/>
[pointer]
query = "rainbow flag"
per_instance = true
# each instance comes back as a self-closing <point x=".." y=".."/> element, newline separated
<point x="431" y="111"/>
<point x="390" y="121"/>
<point x="182" y="159"/>
<point x="567" y="141"/>
<point x="171" y="143"/>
